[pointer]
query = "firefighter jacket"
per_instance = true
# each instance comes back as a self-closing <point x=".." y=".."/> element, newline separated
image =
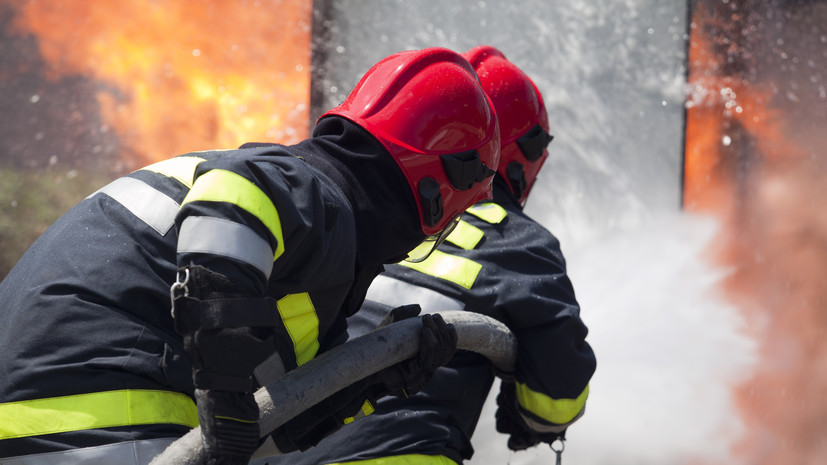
<point x="88" y="352"/>
<point x="500" y="263"/>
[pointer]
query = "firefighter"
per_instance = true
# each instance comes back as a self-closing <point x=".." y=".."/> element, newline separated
<point x="497" y="262"/>
<point x="145" y="310"/>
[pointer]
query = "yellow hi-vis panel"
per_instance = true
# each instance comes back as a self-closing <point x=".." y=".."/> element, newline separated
<point x="558" y="411"/>
<point x="465" y="235"/>
<point x="409" y="459"/>
<point x="180" y="168"/>
<point x="96" y="410"/>
<point x="458" y="270"/>
<point x="299" y="317"/>
<point x="226" y="186"/>
<point x="367" y="409"/>
<point x="488" y="212"/>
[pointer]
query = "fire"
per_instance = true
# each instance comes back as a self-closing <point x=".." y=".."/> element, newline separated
<point x="179" y="75"/>
<point x="755" y="158"/>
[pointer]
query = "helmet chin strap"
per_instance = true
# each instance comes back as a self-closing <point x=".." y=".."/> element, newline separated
<point x="431" y="201"/>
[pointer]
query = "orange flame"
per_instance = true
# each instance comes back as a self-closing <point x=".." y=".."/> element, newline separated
<point x="179" y="75"/>
<point x="752" y="160"/>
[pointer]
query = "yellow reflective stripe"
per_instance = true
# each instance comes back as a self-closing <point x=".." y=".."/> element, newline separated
<point x="458" y="270"/>
<point x="226" y="186"/>
<point x="410" y="459"/>
<point x="302" y="323"/>
<point x="465" y="235"/>
<point x="488" y="212"/>
<point x="180" y="168"/>
<point x="96" y="410"/>
<point x="367" y="409"/>
<point x="557" y="411"/>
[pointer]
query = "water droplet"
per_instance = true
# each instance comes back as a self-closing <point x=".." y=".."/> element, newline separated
<point x="726" y="140"/>
<point x="34" y="98"/>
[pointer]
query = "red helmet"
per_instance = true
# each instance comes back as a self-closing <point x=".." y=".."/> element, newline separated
<point x="428" y="109"/>
<point x="521" y="114"/>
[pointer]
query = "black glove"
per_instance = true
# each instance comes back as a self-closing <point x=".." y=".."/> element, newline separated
<point x="226" y="335"/>
<point x="511" y="422"/>
<point x="437" y="344"/>
<point x="438" y="341"/>
<point x="229" y="426"/>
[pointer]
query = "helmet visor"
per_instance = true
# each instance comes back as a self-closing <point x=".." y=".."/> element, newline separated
<point x="427" y="246"/>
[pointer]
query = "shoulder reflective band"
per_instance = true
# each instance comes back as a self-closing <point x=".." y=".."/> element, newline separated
<point x="559" y="411"/>
<point x="409" y="459"/>
<point x="226" y="186"/>
<point x="96" y="410"/>
<point x="488" y="212"/>
<point x="205" y="234"/>
<point x="465" y="235"/>
<point x="180" y="168"/>
<point x="302" y="323"/>
<point x="395" y="293"/>
<point x="151" y="206"/>
<point x="458" y="270"/>
<point x="367" y="409"/>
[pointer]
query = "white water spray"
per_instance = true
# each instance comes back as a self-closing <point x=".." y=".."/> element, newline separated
<point x="612" y="72"/>
<point x="669" y="350"/>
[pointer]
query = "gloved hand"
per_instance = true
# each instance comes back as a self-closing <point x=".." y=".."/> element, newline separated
<point x="438" y="341"/>
<point x="511" y="422"/>
<point x="229" y="426"/>
<point x="226" y="335"/>
<point x="437" y="344"/>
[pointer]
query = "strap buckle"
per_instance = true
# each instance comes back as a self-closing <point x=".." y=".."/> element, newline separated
<point x="178" y="289"/>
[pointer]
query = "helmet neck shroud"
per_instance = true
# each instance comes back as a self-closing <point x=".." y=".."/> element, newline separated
<point x="387" y="219"/>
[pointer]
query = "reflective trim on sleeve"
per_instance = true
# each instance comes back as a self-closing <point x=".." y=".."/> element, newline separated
<point x="488" y="212"/>
<point x="96" y="410"/>
<point x="458" y="270"/>
<point x="367" y="409"/>
<point x="395" y="292"/>
<point x="300" y="319"/>
<point x="465" y="235"/>
<point x="218" y="236"/>
<point x="226" y="186"/>
<point x="409" y="459"/>
<point x="559" y="411"/>
<point x="180" y="168"/>
<point x="270" y="370"/>
<point x="150" y="205"/>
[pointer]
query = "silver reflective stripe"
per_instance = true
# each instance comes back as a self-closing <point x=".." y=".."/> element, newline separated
<point x="150" y="205"/>
<point x="205" y="234"/>
<point x="270" y="370"/>
<point x="122" y="453"/>
<point x="393" y="292"/>
<point x="267" y="450"/>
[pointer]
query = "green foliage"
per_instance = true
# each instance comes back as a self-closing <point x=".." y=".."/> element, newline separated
<point x="31" y="200"/>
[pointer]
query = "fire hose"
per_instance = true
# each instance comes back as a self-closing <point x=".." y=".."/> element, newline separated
<point x="359" y="358"/>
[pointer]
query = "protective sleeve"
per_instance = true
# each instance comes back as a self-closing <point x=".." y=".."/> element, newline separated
<point x="266" y="220"/>
<point x="519" y="277"/>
